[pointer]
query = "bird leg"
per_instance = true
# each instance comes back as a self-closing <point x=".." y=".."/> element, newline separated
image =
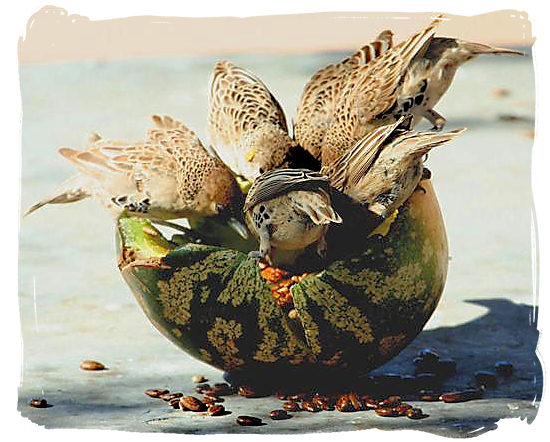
<point x="435" y="118"/>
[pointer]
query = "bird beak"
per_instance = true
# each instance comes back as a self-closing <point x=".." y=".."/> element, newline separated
<point x="239" y="227"/>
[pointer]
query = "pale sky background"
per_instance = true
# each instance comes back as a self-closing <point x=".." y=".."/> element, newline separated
<point x="54" y="35"/>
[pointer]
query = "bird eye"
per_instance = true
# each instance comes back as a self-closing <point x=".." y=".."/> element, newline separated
<point x="261" y="170"/>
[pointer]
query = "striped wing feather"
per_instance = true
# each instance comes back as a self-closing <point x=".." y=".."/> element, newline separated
<point x="373" y="88"/>
<point x="323" y="90"/>
<point x="240" y="101"/>
<point x="281" y="181"/>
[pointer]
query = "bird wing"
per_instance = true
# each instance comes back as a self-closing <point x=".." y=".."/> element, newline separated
<point x="239" y="101"/>
<point x="420" y="143"/>
<point x="74" y="189"/>
<point x="321" y="94"/>
<point x="373" y="88"/>
<point x="316" y="205"/>
<point x="170" y="152"/>
<point x="348" y="170"/>
<point x="280" y="181"/>
<point x="169" y="145"/>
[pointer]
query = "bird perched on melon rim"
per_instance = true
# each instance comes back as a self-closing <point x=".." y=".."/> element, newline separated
<point x="289" y="209"/>
<point x="383" y="169"/>
<point x="430" y="76"/>
<point x="169" y="175"/>
<point x="247" y="125"/>
<point x="425" y="78"/>
<point x="369" y="98"/>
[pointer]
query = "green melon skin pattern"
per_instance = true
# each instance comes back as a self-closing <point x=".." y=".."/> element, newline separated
<point x="355" y="314"/>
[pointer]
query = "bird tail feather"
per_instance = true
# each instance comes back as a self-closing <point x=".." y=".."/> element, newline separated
<point x="423" y="142"/>
<point x="74" y="189"/>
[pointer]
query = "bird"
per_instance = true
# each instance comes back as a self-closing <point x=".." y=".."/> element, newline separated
<point x="369" y="98"/>
<point x="289" y="209"/>
<point x="322" y="92"/>
<point x="383" y="169"/>
<point x="170" y="175"/>
<point x="247" y="125"/>
<point x="430" y="76"/>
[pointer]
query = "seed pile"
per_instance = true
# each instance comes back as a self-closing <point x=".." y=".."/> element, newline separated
<point x="389" y="406"/>
<point x="280" y="283"/>
<point x="371" y="395"/>
<point x="208" y="404"/>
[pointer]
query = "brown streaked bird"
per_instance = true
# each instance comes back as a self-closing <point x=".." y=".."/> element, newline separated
<point x="289" y="209"/>
<point x="322" y="92"/>
<point x="430" y="76"/>
<point x="369" y="98"/>
<point x="247" y="125"/>
<point x="168" y="176"/>
<point x="384" y="168"/>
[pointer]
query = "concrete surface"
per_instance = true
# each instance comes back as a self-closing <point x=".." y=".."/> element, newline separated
<point x="75" y="306"/>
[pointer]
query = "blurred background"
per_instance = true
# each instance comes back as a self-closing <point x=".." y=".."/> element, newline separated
<point x="79" y="77"/>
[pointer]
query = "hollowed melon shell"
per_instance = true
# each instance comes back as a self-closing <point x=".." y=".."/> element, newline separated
<point x="358" y="313"/>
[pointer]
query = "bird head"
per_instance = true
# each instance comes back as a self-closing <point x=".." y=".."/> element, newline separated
<point x="267" y="148"/>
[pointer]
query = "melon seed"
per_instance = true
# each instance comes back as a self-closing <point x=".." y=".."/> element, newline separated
<point x="38" y="403"/>
<point x="486" y="378"/>
<point x="91" y="365"/>
<point x="216" y="410"/>
<point x="504" y="368"/>
<point x="415" y="413"/>
<point x="291" y="406"/>
<point x="461" y="396"/>
<point x="198" y="379"/>
<point x="156" y="392"/>
<point x="249" y="421"/>
<point x="192" y="403"/>
<point x="279" y="415"/>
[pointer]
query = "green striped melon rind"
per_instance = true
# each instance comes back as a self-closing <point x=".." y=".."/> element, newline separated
<point x="357" y="313"/>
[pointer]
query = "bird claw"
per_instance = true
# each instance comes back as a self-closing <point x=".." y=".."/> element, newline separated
<point x="426" y="173"/>
<point x="437" y="120"/>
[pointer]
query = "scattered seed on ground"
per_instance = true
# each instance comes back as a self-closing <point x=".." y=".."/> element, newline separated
<point x="90" y="365"/>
